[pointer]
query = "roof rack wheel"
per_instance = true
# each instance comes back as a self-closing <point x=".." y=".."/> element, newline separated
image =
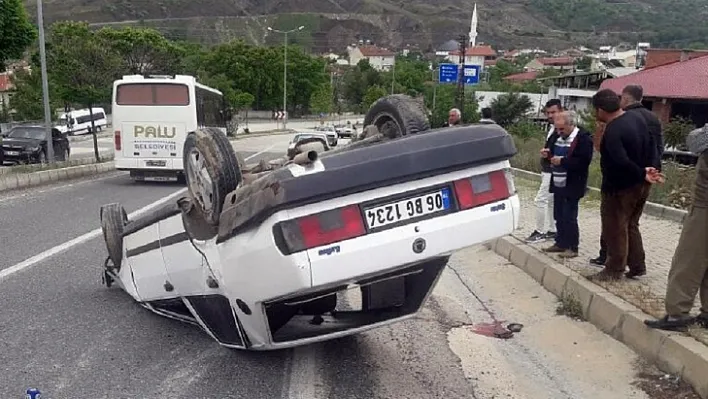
<point x="113" y="220"/>
<point x="212" y="171"/>
<point x="397" y="115"/>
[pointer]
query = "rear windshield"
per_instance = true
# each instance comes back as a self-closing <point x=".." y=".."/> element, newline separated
<point x="152" y="94"/>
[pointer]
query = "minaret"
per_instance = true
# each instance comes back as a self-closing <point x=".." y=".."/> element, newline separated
<point x="473" y="27"/>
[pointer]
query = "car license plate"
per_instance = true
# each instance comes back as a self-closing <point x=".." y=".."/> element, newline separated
<point x="160" y="178"/>
<point x="155" y="163"/>
<point x="12" y="153"/>
<point x="410" y="208"/>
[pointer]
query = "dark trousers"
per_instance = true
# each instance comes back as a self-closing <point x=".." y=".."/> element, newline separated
<point x="620" y="212"/>
<point x="565" y="212"/>
<point x="603" y="248"/>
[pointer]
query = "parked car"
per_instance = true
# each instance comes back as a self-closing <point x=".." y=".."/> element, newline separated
<point x="345" y="130"/>
<point x="262" y="257"/>
<point x="28" y="144"/>
<point x="331" y="132"/>
<point x="306" y="138"/>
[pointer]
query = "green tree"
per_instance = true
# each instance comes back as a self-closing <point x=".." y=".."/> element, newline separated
<point x="16" y="31"/>
<point x="676" y="131"/>
<point x="509" y="108"/>
<point x="322" y="99"/>
<point x="372" y="94"/>
<point x="144" y="50"/>
<point x="27" y="98"/>
<point x="357" y="80"/>
<point x="84" y="66"/>
<point x="584" y="63"/>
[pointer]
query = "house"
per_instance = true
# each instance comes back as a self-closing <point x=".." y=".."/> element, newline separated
<point x="6" y="90"/>
<point x="478" y="55"/>
<point x="671" y="89"/>
<point x="559" y="63"/>
<point x="522" y="77"/>
<point x="379" y="58"/>
<point x="575" y="90"/>
<point x="444" y="49"/>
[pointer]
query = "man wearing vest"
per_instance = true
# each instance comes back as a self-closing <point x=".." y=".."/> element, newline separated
<point x="545" y="228"/>
<point x="569" y="150"/>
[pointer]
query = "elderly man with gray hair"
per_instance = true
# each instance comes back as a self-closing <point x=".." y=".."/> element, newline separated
<point x="570" y="153"/>
<point x="454" y="118"/>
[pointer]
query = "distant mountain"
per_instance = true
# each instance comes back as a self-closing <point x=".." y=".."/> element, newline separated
<point x="330" y="25"/>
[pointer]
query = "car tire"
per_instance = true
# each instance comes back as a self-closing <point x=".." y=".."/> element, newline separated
<point x="113" y="220"/>
<point x="211" y="171"/>
<point x="397" y="115"/>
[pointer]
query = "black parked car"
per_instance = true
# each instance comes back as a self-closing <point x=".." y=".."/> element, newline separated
<point x="27" y="144"/>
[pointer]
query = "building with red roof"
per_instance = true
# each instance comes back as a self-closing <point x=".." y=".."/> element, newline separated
<point x="671" y="89"/>
<point x="522" y="77"/>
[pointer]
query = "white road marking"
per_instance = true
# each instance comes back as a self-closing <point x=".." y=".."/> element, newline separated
<point x="92" y="234"/>
<point x="302" y="381"/>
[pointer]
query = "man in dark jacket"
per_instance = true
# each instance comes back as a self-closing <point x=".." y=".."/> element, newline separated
<point x="569" y="151"/>
<point x="631" y="101"/>
<point x="454" y="118"/>
<point x="487" y="117"/>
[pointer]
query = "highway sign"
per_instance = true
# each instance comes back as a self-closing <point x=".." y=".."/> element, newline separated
<point x="448" y="73"/>
<point x="471" y="76"/>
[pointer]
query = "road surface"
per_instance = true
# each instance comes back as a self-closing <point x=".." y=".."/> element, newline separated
<point x="66" y="334"/>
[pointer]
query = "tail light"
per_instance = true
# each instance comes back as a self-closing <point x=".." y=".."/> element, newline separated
<point x="116" y="140"/>
<point x="482" y="189"/>
<point x="322" y="228"/>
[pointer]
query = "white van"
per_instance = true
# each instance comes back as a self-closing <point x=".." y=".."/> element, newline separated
<point x="151" y="118"/>
<point x="79" y="121"/>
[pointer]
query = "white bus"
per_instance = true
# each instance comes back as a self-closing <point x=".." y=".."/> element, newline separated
<point x="151" y="118"/>
<point x="79" y="121"/>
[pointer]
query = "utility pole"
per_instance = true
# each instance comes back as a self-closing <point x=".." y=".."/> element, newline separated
<point x="461" y="75"/>
<point x="285" y="69"/>
<point x="435" y="93"/>
<point x="393" y="78"/>
<point x="45" y="84"/>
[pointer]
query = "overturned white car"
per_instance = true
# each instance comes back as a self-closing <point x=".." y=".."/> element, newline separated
<point x="320" y="246"/>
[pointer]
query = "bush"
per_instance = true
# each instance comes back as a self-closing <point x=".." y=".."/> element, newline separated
<point x="675" y="192"/>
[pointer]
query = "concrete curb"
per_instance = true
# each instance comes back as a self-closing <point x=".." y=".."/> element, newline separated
<point x="14" y="181"/>
<point x="650" y="208"/>
<point x="672" y="352"/>
<point x="85" y="137"/>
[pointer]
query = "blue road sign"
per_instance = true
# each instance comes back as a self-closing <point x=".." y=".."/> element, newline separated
<point x="471" y="74"/>
<point x="448" y="73"/>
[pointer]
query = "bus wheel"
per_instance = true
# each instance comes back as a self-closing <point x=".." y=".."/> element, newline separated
<point x="211" y="169"/>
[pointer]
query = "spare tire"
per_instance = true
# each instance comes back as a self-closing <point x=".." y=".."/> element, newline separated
<point x="113" y="220"/>
<point x="212" y="171"/>
<point x="397" y="115"/>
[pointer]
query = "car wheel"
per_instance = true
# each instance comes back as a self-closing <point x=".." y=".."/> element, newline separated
<point x="113" y="220"/>
<point x="397" y="115"/>
<point x="212" y="171"/>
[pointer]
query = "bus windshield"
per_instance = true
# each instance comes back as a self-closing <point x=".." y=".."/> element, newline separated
<point x="161" y="94"/>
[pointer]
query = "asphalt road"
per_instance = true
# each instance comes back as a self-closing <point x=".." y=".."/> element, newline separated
<point x="63" y="332"/>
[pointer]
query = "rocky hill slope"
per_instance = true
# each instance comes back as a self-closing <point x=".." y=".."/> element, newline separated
<point x="332" y="24"/>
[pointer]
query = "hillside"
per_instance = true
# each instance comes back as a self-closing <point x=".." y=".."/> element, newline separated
<point x="332" y="24"/>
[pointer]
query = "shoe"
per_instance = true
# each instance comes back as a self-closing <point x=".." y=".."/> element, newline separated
<point x="702" y="320"/>
<point x="568" y="254"/>
<point x="605" y="276"/>
<point x="599" y="261"/>
<point x="633" y="274"/>
<point x="550" y="235"/>
<point x="554" y="249"/>
<point x="536" y="237"/>
<point x="671" y="323"/>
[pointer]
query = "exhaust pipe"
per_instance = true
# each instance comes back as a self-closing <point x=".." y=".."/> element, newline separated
<point x="305" y="158"/>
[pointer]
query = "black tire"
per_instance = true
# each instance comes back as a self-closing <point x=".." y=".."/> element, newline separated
<point x="113" y="220"/>
<point x="397" y="115"/>
<point x="219" y="163"/>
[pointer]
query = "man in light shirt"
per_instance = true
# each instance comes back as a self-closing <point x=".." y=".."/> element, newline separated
<point x="545" y="223"/>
